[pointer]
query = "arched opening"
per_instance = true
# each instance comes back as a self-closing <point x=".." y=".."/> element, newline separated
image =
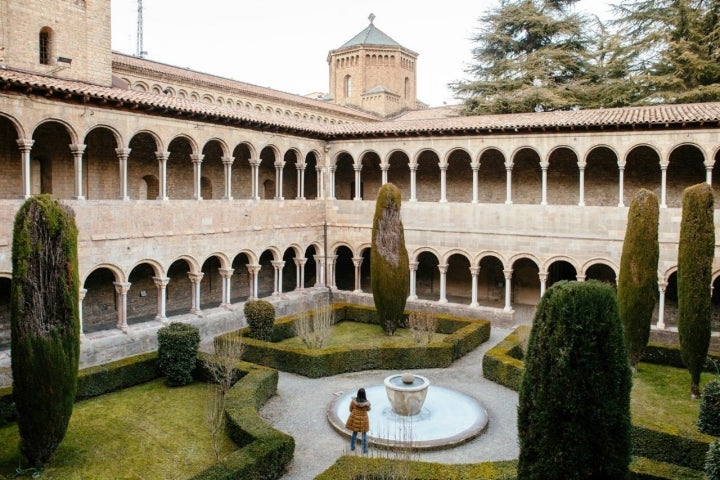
<point x="458" y="279"/>
<point x="602" y="273"/>
<point x="213" y="171"/>
<point x="211" y="285"/>
<point x="602" y="178"/>
<point x="100" y="166"/>
<point x="427" y="177"/>
<point x="365" y="284"/>
<point x="399" y="173"/>
<point x="525" y="284"/>
<point x="142" y="300"/>
<point x="180" y="170"/>
<point x="143" y="170"/>
<point x="289" y="271"/>
<point x="240" y="286"/>
<point x="266" y="275"/>
<point x="642" y="170"/>
<point x="311" y="186"/>
<point x="290" y="175"/>
<point x="100" y="302"/>
<point x="685" y="168"/>
<point x="563" y="178"/>
<point x="10" y="161"/>
<point x="370" y="177"/>
<point x="458" y="177"/>
<point x="427" y="277"/>
<point x="241" y="172"/>
<point x="348" y="86"/>
<point x="266" y="173"/>
<point x="560" y="270"/>
<point x="491" y="282"/>
<point x="310" y="267"/>
<point x="5" y="284"/>
<point x="45" y="46"/>
<point x="344" y="269"/>
<point x="492" y="177"/>
<point x="526" y="178"/>
<point x="51" y="151"/>
<point x="344" y="177"/>
<point x="149" y="188"/>
<point x="179" y="290"/>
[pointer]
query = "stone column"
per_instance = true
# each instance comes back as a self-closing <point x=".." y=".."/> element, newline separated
<point x="300" y="167"/>
<point x="621" y="187"/>
<point x="580" y="278"/>
<point x="357" y="262"/>
<point x="708" y="172"/>
<point x="197" y="175"/>
<point x="508" y="289"/>
<point x="320" y="184"/>
<point x="81" y="298"/>
<point x="384" y="172"/>
<point x="254" y="270"/>
<point x="331" y="181"/>
<point x="279" y="166"/>
<point x="413" y="181"/>
<point x="331" y="270"/>
<point x="443" y="279"/>
<point x="661" y="305"/>
<point x="161" y="284"/>
<point x="443" y="182"/>
<point x="195" y="279"/>
<point x="25" y="145"/>
<point x="319" y="270"/>
<point x="123" y="154"/>
<point x="544" y="169"/>
<point x="581" y="167"/>
<point x="227" y="169"/>
<point x="508" y="183"/>
<point x="413" y="275"/>
<point x="226" y="275"/>
<point x="358" y="182"/>
<point x="77" y="151"/>
<point x="162" y="158"/>
<point x="121" y="290"/>
<point x="663" y="184"/>
<point x="543" y="283"/>
<point x="475" y="167"/>
<point x="300" y="273"/>
<point x="277" y="281"/>
<point x="254" y="179"/>
<point x="474" y="273"/>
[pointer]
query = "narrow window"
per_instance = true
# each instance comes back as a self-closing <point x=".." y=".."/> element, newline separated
<point x="44" y="46"/>
<point x="348" y="86"/>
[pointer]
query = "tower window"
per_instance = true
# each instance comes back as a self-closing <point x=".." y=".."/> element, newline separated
<point x="44" y="46"/>
<point x="348" y="86"/>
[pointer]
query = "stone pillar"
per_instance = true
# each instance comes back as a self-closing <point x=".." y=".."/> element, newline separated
<point x="413" y="275"/>
<point x="357" y="262"/>
<point x="195" y="279"/>
<point x="226" y="275"/>
<point x="254" y="179"/>
<point x="161" y="284"/>
<point x="443" y="182"/>
<point x="663" y="184"/>
<point x="621" y="187"/>
<point x="121" y="290"/>
<point x="413" y="181"/>
<point x="508" y="183"/>
<point x="77" y="151"/>
<point x="384" y="172"/>
<point x="123" y="154"/>
<point x="279" y="166"/>
<point x="331" y="181"/>
<point x="474" y="273"/>
<point x="580" y="278"/>
<point x="544" y="169"/>
<point x="25" y="145"/>
<point x="358" y="182"/>
<point x="331" y="270"/>
<point x="581" y="167"/>
<point x="320" y="184"/>
<point x="475" y="167"/>
<point x="197" y="175"/>
<point x="227" y="169"/>
<point x="708" y="172"/>
<point x="443" y="279"/>
<point x="661" y="305"/>
<point x="277" y="274"/>
<point x="508" y="289"/>
<point x="319" y="270"/>
<point x="254" y="270"/>
<point x="162" y="158"/>
<point x="300" y="273"/>
<point x="543" y="283"/>
<point x="300" y="167"/>
<point x="81" y="297"/>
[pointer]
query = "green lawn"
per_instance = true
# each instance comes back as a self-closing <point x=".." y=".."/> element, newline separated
<point x="360" y="334"/>
<point x="661" y="396"/>
<point x="148" y="431"/>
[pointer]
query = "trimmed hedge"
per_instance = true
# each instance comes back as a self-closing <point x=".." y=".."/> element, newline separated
<point x="503" y="363"/>
<point x="264" y="452"/>
<point x="663" y="354"/>
<point x="177" y="350"/>
<point x="464" y="335"/>
<point x="260" y="316"/>
<point x="709" y="419"/>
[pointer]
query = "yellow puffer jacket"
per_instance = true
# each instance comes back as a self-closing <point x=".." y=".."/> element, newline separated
<point x="358" y="420"/>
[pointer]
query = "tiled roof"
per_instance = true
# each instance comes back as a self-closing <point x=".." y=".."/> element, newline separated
<point x="371" y="36"/>
<point x="696" y="115"/>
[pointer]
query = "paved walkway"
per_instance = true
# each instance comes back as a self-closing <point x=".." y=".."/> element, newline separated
<point x="299" y="409"/>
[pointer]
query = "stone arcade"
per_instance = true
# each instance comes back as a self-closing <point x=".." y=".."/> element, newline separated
<point x="194" y="193"/>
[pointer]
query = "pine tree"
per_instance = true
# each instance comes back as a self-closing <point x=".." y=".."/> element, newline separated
<point x="637" y="284"/>
<point x="45" y="325"/>
<point x="694" y="276"/>
<point x="389" y="264"/>
<point x="574" y="400"/>
<point x="529" y="55"/>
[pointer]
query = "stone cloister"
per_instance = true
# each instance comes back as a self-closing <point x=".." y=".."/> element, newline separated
<point x="178" y="217"/>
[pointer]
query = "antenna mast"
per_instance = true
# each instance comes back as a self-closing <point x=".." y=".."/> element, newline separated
<point x="140" y="52"/>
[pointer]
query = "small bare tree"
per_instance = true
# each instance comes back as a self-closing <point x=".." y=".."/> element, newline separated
<point x="422" y="326"/>
<point x="314" y="325"/>
<point x="222" y="372"/>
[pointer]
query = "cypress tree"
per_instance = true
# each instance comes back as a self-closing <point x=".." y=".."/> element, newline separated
<point x="574" y="400"/>
<point x="637" y="282"/>
<point x="694" y="277"/>
<point x="45" y="325"/>
<point x="389" y="264"/>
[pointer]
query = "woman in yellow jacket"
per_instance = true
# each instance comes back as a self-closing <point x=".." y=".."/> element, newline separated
<point x="358" y="420"/>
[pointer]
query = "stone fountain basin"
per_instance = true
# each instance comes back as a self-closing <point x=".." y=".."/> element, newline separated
<point x="406" y="398"/>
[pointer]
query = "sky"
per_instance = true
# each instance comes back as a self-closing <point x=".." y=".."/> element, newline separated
<point x="283" y="44"/>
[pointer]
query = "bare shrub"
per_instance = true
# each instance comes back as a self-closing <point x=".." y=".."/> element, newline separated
<point x="422" y="326"/>
<point x="314" y="325"/>
<point x="391" y="462"/>
<point x="221" y="369"/>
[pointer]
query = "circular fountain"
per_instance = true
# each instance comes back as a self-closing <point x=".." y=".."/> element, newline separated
<point x="414" y="414"/>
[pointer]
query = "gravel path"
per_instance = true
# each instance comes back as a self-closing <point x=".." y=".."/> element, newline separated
<point x="299" y="409"/>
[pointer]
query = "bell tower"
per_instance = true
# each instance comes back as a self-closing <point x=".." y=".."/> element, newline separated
<point x="64" y="38"/>
<point x="373" y="72"/>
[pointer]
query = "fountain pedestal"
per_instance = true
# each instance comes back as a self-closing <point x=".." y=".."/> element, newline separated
<point x="406" y="392"/>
